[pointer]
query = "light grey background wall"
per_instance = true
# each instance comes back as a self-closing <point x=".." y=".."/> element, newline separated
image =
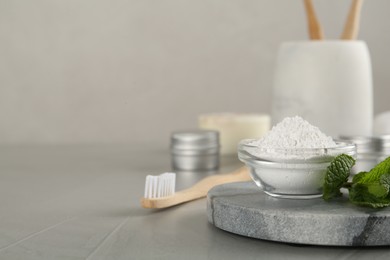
<point x="134" y="70"/>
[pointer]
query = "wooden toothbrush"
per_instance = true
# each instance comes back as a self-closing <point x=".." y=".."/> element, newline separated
<point x="351" y="28"/>
<point x="197" y="191"/>
<point x="315" y="30"/>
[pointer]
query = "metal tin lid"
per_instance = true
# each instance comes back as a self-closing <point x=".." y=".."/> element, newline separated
<point x="364" y="144"/>
<point x="384" y="143"/>
<point x="194" y="140"/>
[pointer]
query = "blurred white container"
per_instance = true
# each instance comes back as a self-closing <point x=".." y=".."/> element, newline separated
<point x="234" y="127"/>
<point x="328" y="83"/>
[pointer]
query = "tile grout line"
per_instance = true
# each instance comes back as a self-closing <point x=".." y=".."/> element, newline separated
<point x="107" y="237"/>
<point x="35" y="234"/>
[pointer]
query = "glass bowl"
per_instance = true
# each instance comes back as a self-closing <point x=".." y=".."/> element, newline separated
<point x="296" y="173"/>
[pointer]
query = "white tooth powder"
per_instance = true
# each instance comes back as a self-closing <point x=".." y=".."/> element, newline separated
<point x="292" y="134"/>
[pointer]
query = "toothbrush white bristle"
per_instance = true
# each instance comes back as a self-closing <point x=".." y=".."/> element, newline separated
<point x="159" y="186"/>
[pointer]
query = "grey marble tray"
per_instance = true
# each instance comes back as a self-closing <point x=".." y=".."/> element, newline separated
<point x="243" y="208"/>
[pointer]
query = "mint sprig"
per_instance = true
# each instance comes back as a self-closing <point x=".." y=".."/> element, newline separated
<point x="369" y="195"/>
<point x="337" y="175"/>
<point x="375" y="174"/>
<point x="370" y="189"/>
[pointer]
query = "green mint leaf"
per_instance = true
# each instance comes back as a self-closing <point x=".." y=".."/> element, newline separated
<point x="372" y="195"/>
<point x="371" y="189"/>
<point x="336" y="175"/>
<point x="358" y="177"/>
<point x="378" y="190"/>
<point x="375" y="174"/>
<point x="385" y="180"/>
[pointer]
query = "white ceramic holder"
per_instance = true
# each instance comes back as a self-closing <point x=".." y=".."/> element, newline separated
<point x="328" y="83"/>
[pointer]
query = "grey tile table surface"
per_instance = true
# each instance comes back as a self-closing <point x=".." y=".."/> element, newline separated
<point x="82" y="202"/>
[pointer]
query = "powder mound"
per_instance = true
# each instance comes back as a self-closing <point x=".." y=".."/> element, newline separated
<point x="294" y="132"/>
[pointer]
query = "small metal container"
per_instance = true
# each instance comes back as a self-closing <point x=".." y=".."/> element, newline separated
<point x="384" y="146"/>
<point x="195" y="150"/>
<point x="370" y="151"/>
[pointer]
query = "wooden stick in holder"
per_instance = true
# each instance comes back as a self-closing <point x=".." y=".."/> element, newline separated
<point x="351" y="28"/>
<point x="315" y="30"/>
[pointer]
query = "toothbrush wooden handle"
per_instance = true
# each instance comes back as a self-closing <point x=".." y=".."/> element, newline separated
<point x="199" y="190"/>
<point x="176" y="199"/>
<point x="351" y="28"/>
<point x="315" y="30"/>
